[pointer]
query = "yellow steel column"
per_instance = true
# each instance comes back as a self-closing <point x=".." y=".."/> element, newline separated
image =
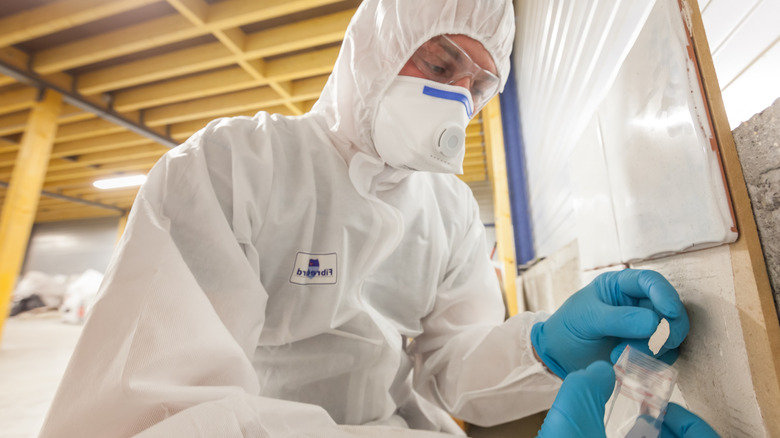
<point x="494" y="145"/>
<point x="24" y="191"/>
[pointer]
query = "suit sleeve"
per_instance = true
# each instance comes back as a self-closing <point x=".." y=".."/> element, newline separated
<point x="468" y="360"/>
<point x="167" y="349"/>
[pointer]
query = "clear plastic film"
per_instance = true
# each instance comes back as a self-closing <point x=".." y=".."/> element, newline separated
<point x="642" y="390"/>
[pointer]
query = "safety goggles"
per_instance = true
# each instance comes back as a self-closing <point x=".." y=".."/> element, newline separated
<point x="440" y="59"/>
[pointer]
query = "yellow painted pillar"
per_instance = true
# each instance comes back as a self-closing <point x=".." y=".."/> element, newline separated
<point x="494" y="146"/>
<point x="24" y="191"/>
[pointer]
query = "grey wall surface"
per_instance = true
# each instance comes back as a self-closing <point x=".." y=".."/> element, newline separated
<point x="758" y="145"/>
<point x="71" y="247"/>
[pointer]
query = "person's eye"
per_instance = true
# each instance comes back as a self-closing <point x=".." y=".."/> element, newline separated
<point x="437" y="69"/>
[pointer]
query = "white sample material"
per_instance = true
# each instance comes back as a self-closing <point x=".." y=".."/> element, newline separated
<point x="273" y="266"/>
<point x="660" y="336"/>
<point x="647" y="179"/>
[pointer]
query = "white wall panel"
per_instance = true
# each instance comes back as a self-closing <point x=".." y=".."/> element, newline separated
<point x="747" y="42"/>
<point x="721" y="17"/>
<point x="743" y="36"/>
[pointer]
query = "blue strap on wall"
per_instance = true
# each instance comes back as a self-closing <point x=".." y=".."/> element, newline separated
<point x="515" y="169"/>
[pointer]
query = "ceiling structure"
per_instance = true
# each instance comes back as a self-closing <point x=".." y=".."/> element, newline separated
<point x="140" y="76"/>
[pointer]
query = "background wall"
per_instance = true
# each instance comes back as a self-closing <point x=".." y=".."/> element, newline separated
<point x="745" y="42"/>
<point x="71" y="247"/>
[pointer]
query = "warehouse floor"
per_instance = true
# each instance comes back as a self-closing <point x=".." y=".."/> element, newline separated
<point x="34" y="352"/>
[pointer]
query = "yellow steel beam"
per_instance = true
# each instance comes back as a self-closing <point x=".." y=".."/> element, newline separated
<point x="60" y="15"/>
<point x="204" y="85"/>
<point x="92" y="193"/>
<point x="235" y="102"/>
<point x="18" y="100"/>
<point x="475" y="161"/>
<point x="304" y="65"/>
<point x="150" y="34"/>
<point x="6" y="80"/>
<point x="156" y="68"/>
<point x="172" y="91"/>
<point x="298" y="36"/>
<point x="101" y="171"/>
<point x="193" y="10"/>
<point x="8" y="159"/>
<point x="213" y="106"/>
<point x="476" y="169"/>
<point x="494" y="141"/>
<point x="97" y="144"/>
<point x="212" y="55"/>
<point x="233" y="13"/>
<point x="474" y="129"/>
<point x="472" y="177"/>
<point x="151" y="150"/>
<point x="86" y="129"/>
<point x="14" y="123"/>
<point x="124" y="41"/>
<point x="24" y="190"/>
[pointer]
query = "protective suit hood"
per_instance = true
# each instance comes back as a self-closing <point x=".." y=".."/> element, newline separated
<point x="380" y="39"/>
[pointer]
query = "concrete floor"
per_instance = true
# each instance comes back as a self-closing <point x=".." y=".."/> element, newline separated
<point x="34" y="352"/>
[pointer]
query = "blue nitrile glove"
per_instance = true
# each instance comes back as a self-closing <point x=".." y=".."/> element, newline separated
<point x="578" y="410"/>
<point x="615" y="310"/>
<point x="681" y="423"/>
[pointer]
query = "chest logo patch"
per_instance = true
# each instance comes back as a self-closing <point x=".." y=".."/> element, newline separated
<point x="315" y="268"/>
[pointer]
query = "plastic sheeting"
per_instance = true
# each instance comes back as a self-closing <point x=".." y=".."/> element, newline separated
<point x="647" y="174"/>
<point x="567" y="56"/>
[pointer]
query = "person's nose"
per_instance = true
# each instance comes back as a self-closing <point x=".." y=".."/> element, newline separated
<point x="464" y="82"/>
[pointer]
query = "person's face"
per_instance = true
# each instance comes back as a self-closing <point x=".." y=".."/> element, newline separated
<point x="456" y="60"/>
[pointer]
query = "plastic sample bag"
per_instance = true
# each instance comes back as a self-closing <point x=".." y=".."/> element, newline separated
<point x="642" y="390"/>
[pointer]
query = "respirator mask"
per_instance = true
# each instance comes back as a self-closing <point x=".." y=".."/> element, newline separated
<point x="421" y="125"/>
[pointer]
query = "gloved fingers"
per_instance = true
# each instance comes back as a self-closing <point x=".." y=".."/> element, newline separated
<point x="625" y="322"/>
<point x="651" y="290"/>
<point x="681" y="423"/>
<point x="678" y="331"/>
<point x="668" y="356"/>
<point x="578" y="410"/>
<point x="602" y="375"/>
<point x="594" y="383"/>
<point x="640" y="284"/>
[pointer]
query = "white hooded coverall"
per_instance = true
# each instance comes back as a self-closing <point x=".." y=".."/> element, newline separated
<point x="273" y="269"/>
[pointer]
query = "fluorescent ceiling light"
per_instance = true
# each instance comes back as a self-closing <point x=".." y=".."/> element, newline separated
<point x="122" y="181"/>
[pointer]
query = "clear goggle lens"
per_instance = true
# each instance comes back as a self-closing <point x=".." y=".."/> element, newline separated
<point x="440" y="59"/>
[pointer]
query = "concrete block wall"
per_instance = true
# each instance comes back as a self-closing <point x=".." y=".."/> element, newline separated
<point x="758" y="146"/>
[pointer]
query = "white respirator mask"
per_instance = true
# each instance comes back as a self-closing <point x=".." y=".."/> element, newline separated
<point x="421" y="125"/>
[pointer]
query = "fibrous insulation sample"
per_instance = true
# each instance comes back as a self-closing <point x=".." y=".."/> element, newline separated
<point x="659" y="337"/>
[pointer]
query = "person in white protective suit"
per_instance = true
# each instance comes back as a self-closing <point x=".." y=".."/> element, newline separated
<point x="327" y="275"/>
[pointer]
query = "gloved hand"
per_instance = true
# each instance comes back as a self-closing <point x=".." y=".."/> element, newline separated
<point x="578" y="410"/>
<point x="615" y="310"/>
<point x="681" y="423"/>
